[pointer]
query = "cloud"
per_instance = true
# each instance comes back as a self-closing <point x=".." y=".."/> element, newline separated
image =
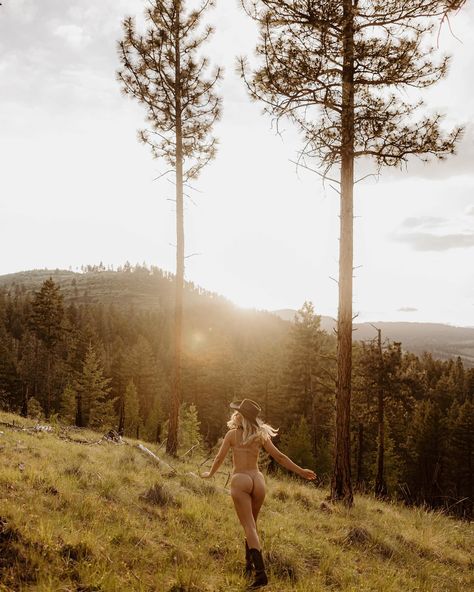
<point x="407" y="309"/>
<point x="42" y="48"/>
<point x="73" y="35"/>
<point x="470" y="211"/>
<point x="423" y="222"/>
<point x="424" y="241"/>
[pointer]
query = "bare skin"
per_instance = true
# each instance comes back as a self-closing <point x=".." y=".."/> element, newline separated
<point x="247" y="485"/>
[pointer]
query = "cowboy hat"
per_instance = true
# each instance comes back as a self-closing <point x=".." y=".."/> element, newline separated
<point x="248" y="408"/>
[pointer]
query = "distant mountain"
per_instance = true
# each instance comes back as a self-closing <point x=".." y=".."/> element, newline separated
<point x="141" y="289"/>
<point x="138" y="289"/>
<point x="442" y="341"/>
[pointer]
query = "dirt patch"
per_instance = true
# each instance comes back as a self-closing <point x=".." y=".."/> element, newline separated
<point x="185" y="588"/>
<point x="361" y="537"/>
<point x="15" y="567"/>
<point x="159" y="495"/>
<point x="76" y="553"/>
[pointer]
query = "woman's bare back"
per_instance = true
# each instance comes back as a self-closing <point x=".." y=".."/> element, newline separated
<point x="245" y="456"/>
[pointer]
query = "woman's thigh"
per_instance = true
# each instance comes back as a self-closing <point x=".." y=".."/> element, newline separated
<point x="258" y="494"/>
<point x="241" y="486"/>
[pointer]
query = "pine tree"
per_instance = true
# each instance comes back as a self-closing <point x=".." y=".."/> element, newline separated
<point x="132" y="417"/>
<point x="309" y="377"/>
<point x="162" y="69"/>
<point x="461" y="457"/>
<point x="189" y="427"/>
<point x="68" y="408"/>
<point x="336" y="69"/>
<point x="35" y="410"/>
<point x="427" y="449"/>
<point x="46" y="323"/>
<point x="94" y="407"/>
<point x="154" y="421"/>
<point x="296" y="443"/>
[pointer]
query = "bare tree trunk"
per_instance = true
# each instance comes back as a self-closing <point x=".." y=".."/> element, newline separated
<point x="314" y="420"/>
<point x="172" y="441"/>
<point x="360" y="455"/>
<point x="380" y="486"/>
<point x="24" y="404"/>
<point x="79" y="411"/>
<point x="121" y="422"/>
<point x="47" y="407"/>
<point x="341" y="486"/>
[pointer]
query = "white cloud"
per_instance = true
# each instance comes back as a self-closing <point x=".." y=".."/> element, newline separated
<point x="73" y="35"/>
<point x="424" y="241"/>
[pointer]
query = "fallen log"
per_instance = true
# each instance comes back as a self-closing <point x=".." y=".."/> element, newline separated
<point x="161" y="462"/>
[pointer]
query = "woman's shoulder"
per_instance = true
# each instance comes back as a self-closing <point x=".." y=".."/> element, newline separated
<point x="231" y="436"/>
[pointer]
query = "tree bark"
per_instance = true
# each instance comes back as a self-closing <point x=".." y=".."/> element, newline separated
<point x="360" y="455"/>
<point x="121" y="422"/>
<point x="380" y="486"/>
<point x="172" y="441"/>
<point x="47" y="407"/>
<point x="341" y="486"/>
<point x="79" y="411"/>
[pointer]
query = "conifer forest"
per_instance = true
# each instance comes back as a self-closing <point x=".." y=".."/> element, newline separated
<point x="94" y="350"/>
<point x="150" y="354"/>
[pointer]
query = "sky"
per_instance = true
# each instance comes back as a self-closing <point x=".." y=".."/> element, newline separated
<point x="77" y="188"/>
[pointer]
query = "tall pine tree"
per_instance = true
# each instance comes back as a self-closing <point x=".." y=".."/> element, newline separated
<point x="163" y="70"/>
<point x="338" y="69"/>
<point x="47" y="324"/>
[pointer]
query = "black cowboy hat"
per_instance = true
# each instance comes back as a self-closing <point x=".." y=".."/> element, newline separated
<point x="248" y="408"/>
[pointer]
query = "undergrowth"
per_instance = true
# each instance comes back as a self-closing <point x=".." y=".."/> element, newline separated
<point x="79" y="517"/>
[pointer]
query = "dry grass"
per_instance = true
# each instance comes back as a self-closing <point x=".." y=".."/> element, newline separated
<point x="100" y="517"/>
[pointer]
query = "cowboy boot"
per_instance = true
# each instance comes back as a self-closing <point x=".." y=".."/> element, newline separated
<point x="248" y="561"/>
<point x="260" y="575"/>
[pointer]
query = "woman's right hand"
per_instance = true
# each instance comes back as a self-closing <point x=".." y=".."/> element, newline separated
<point x="308" y="474"/>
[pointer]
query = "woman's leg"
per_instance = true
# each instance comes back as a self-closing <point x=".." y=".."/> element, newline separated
<point x="240" y="489"/>
<point x="258" y="494"/>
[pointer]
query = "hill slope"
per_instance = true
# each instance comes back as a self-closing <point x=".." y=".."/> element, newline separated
<point x="443" y="341"/>
<point x="144" y="291"/>
<point x="78" y="513"/>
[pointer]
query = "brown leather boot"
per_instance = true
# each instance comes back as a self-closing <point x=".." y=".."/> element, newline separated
<point x="260" y="575"/>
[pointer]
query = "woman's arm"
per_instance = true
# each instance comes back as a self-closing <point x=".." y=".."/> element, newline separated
<point x="220" y="456"/>
<point x="286" y="462"/>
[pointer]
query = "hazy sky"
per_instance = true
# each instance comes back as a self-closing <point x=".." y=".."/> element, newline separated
<point x="77" y="188"/>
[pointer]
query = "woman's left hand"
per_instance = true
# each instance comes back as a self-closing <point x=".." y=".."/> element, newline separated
<point x="206" y="475"/>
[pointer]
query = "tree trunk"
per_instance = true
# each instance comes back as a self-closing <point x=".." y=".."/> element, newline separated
<point x="47" y="406"/>
<point x="24" y="404"/>
<point x="121" y="422"/>
<point x="341" y="486"/>
<point x="172" y="441"/>
<point x="360" y="455"/>
<point x="380" y="486"/>
<point x="314" y="419"/>
<point x="79" y="411"/>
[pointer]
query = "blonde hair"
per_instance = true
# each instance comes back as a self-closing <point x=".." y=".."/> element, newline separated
<point x="263" y="431"/>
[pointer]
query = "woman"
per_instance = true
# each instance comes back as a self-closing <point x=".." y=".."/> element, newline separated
<point x="246" y="436"/>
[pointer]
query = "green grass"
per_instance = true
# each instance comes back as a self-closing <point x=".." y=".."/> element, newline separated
<point x="102" y="517"/>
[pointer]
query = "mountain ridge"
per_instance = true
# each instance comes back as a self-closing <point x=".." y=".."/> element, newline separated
<point x="441" y="340"/>
<point x="147" y="289"/>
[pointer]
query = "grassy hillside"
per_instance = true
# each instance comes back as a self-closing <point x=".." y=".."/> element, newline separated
<point x="89" y="515"/>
